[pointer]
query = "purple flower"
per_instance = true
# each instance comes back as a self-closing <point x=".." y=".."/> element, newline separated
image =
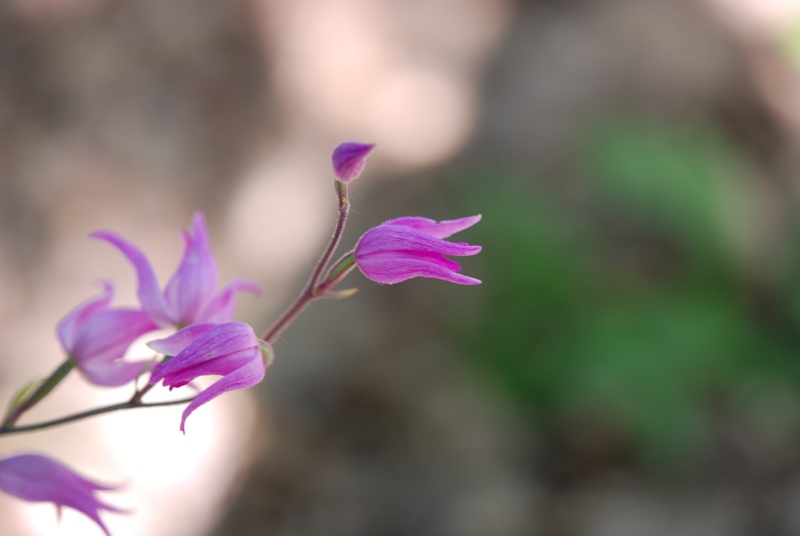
<point x="36" y="478"/>
<point x="190" y="296"/>
<point x="349" y="159"/>
<point x="97" y="336"/>
<point x="230" y="350"/>
<point x="400" y="249"/>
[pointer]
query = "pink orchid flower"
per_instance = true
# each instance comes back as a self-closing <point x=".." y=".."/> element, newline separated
<point x="230" y="350"/>
<point x="97" y="336"/>
<point x="37" y="478"/>
<point x="403" y="248"/>
<point x="191" y="294"/>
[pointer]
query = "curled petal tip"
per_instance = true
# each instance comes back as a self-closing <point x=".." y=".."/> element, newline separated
<point x="349" y="159"/>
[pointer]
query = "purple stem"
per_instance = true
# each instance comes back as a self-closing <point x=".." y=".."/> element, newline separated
<point x="311" y="290"/>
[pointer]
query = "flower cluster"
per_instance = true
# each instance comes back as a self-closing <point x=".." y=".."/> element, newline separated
<point x="97" y="336"/>
<point x="207" y="341"/>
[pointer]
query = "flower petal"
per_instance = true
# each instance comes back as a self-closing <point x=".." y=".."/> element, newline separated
<point x="390" y="268"/>
<point x="219" y="341"/>
<point x="223" y="307"/>
<point x="176" y="342"/>
<point x="246" y="376"/>
<point x="397" y="238"/>
<point x="148" y="291"/>
<point x="113" y="373"/>
<point x="441" y="229"/>
<point x="70" y="324"/>
<point x="37" y="478"/>
<point x="107" y="335"/>
<point x="192" y="286"/>
<point x="217" y="366"/>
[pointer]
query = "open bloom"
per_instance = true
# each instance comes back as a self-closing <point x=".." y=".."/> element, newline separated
<point x="230" y="350"/>
<point x="349" y="159"/>
<point x="408" y="247"/>
<point x="37" y="478"/>
<point x="97" y="336"/>
<point x="190" y="295"/>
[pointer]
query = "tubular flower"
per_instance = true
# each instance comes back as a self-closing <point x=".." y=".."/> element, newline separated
<point x="349" y="159"/>
<point x="97" y="336"/>
<point x="37" y="478"/>
<point x="410" y="247"/>
<point x="230" y="350"/>
<point x="190" y="295"/>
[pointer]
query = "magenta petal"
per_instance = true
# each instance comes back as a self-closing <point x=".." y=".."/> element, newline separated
<point x="349" y="159"/>
<point x="396" y="238"/>
<point x="223" y="307"/>
<point x="409" y="247"/>
<point x="149" y="294"/>
<point x="176" y="342"/>
<point x="442" y="229"/>
<point x="70" y="324"/>
<point x="221" y="340"/>
<point x="390" y="270"/>
<point x="217" y="366"/>
<point x="231" y="350"/>
<point x="37" y="478"/>
<point x="246" y="376"/>
<point x="192" y="286"/>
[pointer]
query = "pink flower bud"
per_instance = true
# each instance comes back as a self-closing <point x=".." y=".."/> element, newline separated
<point x="349" y="159"/>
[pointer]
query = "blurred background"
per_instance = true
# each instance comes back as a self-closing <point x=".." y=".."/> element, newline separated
<point x="631" y="363"/>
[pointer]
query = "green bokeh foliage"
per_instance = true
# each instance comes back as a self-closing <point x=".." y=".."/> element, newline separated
<point x="637" y="308"/>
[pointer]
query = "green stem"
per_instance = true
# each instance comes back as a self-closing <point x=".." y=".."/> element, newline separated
<point x="42" y="391"/>
<point x="339" y="271"/>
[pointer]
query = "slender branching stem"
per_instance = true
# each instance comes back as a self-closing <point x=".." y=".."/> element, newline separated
<point x="312" y="289"/>
<point x="130" y="404"/>
<point x="319" y="285"/>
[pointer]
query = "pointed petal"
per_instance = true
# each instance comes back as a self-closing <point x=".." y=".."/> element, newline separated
<point x="148" y="291"/>
<point x="218" y="366"/>
<point x="107" y="335"/>
<point x="390" y="268"/>
<point x="442" y="229"/>
<point x="113" y="373"/>
<point x="221" y="340"/>
<point x="37" y="478"/>
<point x="397" y="238"/>
<point x="71" y="323"/>
<point x="223" y="307"/>
<point x="192" y="286"/>
<point x="246" y="376"/>
<point x="176" y="342"/>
